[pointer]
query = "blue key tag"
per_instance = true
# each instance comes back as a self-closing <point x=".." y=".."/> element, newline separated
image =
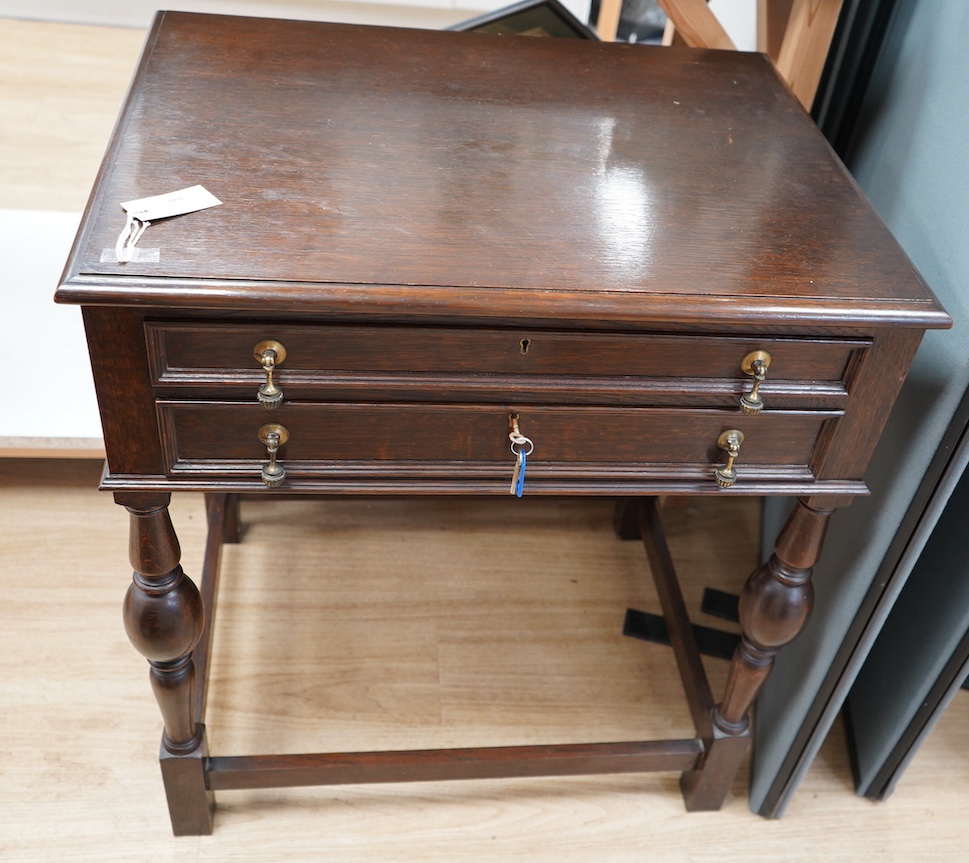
<point x="518" y="476"/>
<point x="521" y="447"/>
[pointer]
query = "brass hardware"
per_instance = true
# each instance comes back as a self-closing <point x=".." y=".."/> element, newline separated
<point x="525" y="344"/>
<point x="755" y="364"/>
<point x="269" y="354"/>
<point x="729" y="441"/>
<point x="273" y="436"/>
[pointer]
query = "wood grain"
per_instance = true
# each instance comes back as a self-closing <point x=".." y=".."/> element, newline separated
<point x="390" y="164"/>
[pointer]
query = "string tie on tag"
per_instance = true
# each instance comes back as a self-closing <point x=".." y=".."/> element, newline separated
<point x="130" y="234"/>
<point x="157" y="207"/>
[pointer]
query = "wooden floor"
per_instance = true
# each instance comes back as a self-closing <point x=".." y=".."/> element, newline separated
<point x="398" y="623"/>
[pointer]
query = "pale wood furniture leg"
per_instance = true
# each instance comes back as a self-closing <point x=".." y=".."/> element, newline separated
<point x="804" y="50"/>
<point x="697" y="25"/>
<point x="607" y="25"/>
<point x="164" y="620"/>
<point x="671" y="37"/>
<point x="795" y="34"/>
<point x="772" y="18"/>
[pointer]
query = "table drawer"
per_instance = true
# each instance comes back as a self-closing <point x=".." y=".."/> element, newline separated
<point x="449" y="364"/>
<point x="472" y="440"/>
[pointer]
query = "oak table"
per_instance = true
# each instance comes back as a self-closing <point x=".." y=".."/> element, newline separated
<point x="442" y="257"/>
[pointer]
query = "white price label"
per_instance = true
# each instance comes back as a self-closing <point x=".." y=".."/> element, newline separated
<point x="143" y="211"/>
<point x="178" y="203"/>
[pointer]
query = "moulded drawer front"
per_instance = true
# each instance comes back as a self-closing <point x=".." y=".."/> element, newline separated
<point x="186" y="354"/>
<point x="224" y="437"/>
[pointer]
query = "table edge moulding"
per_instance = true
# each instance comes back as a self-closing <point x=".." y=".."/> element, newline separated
<point x="433" y="269"/>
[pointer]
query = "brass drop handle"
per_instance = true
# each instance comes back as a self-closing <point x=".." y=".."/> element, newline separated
<point x="729" y="441"/>
<point x="755" y="364"/>
<point x="273" y="436"/>
<point x="269" y="354"/>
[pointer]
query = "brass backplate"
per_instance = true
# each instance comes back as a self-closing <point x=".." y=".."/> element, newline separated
<point x="269" y="428"/>
<point x="269" y="345"/>
<point x="728" y="437"/>
<point x="747" y="363"/>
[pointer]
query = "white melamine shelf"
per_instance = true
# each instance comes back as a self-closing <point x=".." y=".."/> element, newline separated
<point x="49" y="408"/>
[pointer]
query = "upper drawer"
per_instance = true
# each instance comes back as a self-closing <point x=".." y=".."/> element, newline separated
<point x="351" y="361"/>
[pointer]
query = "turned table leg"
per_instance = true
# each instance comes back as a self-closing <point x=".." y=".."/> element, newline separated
<point x="163" y="617"/>
<point x="774" y="606"/>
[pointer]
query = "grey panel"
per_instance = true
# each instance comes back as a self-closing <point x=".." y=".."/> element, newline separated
<point x="911" y="160"/>
<point x="915" y="664"/>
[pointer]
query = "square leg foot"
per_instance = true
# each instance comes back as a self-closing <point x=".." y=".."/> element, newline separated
<point x="706" y="789"/>
<point x="190" y="804"/>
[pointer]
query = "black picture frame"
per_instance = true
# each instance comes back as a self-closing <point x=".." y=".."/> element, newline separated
<point x="543" y="18"/>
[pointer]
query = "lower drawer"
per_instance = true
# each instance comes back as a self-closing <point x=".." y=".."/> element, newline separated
<point x="472" y="441"/>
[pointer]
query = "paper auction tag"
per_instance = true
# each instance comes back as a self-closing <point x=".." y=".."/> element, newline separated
<point x="178" y="203"/>
<point x="143" y="211"/>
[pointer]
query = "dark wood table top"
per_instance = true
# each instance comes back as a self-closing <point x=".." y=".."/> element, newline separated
<point x="498" y="177"/>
